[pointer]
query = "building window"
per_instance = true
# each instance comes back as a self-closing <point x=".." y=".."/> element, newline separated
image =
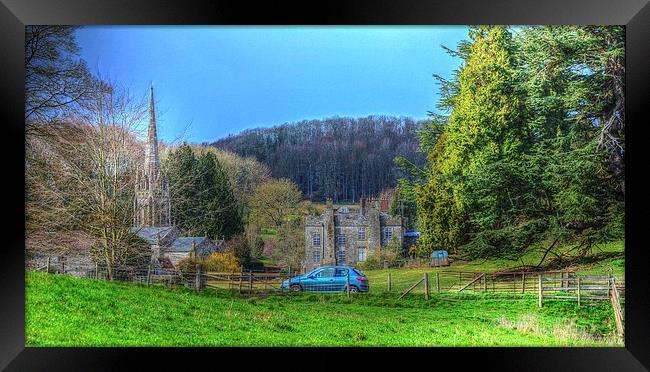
<point x="316" y="240"/>
<point x="362" y="233"/>
<point x="340" y="240"/>
<point x="316" y="255"/>
<point x="361" y="254"/>
<point x="341" y="257"/>
<point x="388" y="234"/>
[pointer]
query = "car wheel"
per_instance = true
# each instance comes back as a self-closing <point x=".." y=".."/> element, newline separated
<point x="295" y="287"/>
<point x="354" y="289"/>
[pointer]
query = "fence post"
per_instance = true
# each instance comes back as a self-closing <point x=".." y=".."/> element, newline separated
<point x="578" y="291"/>
<point x="250" y="280"/>
<point x="149" y="274"/>
<point x="523" y="282"/>
<point x="426" y="286"/>
<point x="539" y="286"/>
<point x="437" y="281"/>
<point x="347" y="278"/>
<point x="484" y="280"/>
<point x="197" y="279"/>
<point x="96" y="271"/>
<point x="48" y="265"/>
<point x="390" y="282"/>
<point x="241" y="279"/>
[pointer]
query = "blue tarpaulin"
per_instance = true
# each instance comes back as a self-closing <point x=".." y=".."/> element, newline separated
<point x="439" y="258"/>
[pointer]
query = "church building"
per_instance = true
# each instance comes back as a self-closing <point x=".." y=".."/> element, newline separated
<point x="152" y="204"/>
<point x="152" y="210"/>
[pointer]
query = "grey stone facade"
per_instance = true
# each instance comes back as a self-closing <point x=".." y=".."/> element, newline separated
<point x="152" y="204"/>
<point x="348" y="235"/>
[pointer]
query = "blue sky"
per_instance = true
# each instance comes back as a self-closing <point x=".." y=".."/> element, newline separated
<point x="213" y="81"/>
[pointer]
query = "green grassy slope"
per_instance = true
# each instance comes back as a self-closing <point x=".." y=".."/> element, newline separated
<point x="604" y="258"/>
<point x="66" y="311"/>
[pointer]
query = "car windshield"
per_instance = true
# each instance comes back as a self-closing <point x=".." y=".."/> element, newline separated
<point x="357" y="272"/>
<point x="312" y="272"/>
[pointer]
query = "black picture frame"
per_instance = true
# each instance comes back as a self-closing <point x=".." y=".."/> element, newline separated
<point x="15" y="14"/>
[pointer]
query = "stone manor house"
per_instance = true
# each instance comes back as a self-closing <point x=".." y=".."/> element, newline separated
<point x="349" y="234"/>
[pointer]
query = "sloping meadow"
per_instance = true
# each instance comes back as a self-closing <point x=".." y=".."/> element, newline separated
<point x="67" y="311"/>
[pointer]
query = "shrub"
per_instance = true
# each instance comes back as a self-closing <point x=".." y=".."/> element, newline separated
<point x="413" y="251"/>
<point x="188" y="264"/>
<point x="239" y="246"/>
<point x="222" y="262"/>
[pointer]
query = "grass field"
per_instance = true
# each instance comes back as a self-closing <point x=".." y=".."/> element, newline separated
<point x="605" y="258"/>
<point x="67" y="311"/>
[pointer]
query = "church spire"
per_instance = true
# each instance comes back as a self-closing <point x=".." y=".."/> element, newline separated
<point x="151" y="162"/>
<point x="152" y="204"/>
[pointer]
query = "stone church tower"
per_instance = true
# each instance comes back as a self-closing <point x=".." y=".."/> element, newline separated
<point x="152" y="205"/>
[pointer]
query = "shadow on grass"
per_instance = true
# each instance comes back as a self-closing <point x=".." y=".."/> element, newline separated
<point x="558" y="263"/>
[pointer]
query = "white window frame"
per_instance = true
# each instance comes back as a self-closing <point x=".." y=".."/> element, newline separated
<point x="361" y="233"/>
<point x="361" y="254"/>
<point x="314" y="238"/>
<point x="338" y="256"/>
<point x="315" y="255"/>
<point x="388" y="234"/>
<point x="340" y="240"/>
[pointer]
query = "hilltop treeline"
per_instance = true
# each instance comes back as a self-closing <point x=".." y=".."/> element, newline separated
<point x="342" y="158"/>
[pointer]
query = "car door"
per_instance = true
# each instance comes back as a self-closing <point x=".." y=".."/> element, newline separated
<point x="341" y="278"/>
<point x="325" y="280"/>
<point x="310" y="282"/>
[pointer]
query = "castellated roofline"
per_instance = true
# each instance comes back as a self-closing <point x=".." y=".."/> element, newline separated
<point x="352" y="219"/>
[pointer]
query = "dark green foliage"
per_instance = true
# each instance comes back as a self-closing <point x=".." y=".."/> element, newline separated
<point x="201" y="198"/>
<point x="180" y="170"/>
<point x="404" y="203"/>
<point x="220" y="212"/>
<point x="534" y="145"/>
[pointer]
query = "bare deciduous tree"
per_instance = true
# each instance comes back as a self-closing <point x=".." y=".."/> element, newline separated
<point x="57" y="80"/>
<point x="80" y="179"/>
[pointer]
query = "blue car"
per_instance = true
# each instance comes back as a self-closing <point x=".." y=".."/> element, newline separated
<point x="328" y="279"/>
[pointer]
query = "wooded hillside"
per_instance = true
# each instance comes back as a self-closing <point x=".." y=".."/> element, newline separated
<point x="340" y="157"/>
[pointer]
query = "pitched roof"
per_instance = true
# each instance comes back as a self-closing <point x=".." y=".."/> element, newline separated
<point x="150" y="234"/>
<point x="184" y="243"/>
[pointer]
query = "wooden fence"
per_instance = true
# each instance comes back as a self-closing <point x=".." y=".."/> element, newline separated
<point x="247" y="281"/>
<point x="565" y="285"/>
<point x="554" y="284"/>
<point x="243" y="281"/>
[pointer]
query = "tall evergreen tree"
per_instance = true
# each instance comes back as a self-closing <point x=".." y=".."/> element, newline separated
<point x="202" y="200"/>
<point x="534" y="148"/>
<point x="180" y="168"/>
<point x="220" y="214"/>
<point x="484" y="126"/>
